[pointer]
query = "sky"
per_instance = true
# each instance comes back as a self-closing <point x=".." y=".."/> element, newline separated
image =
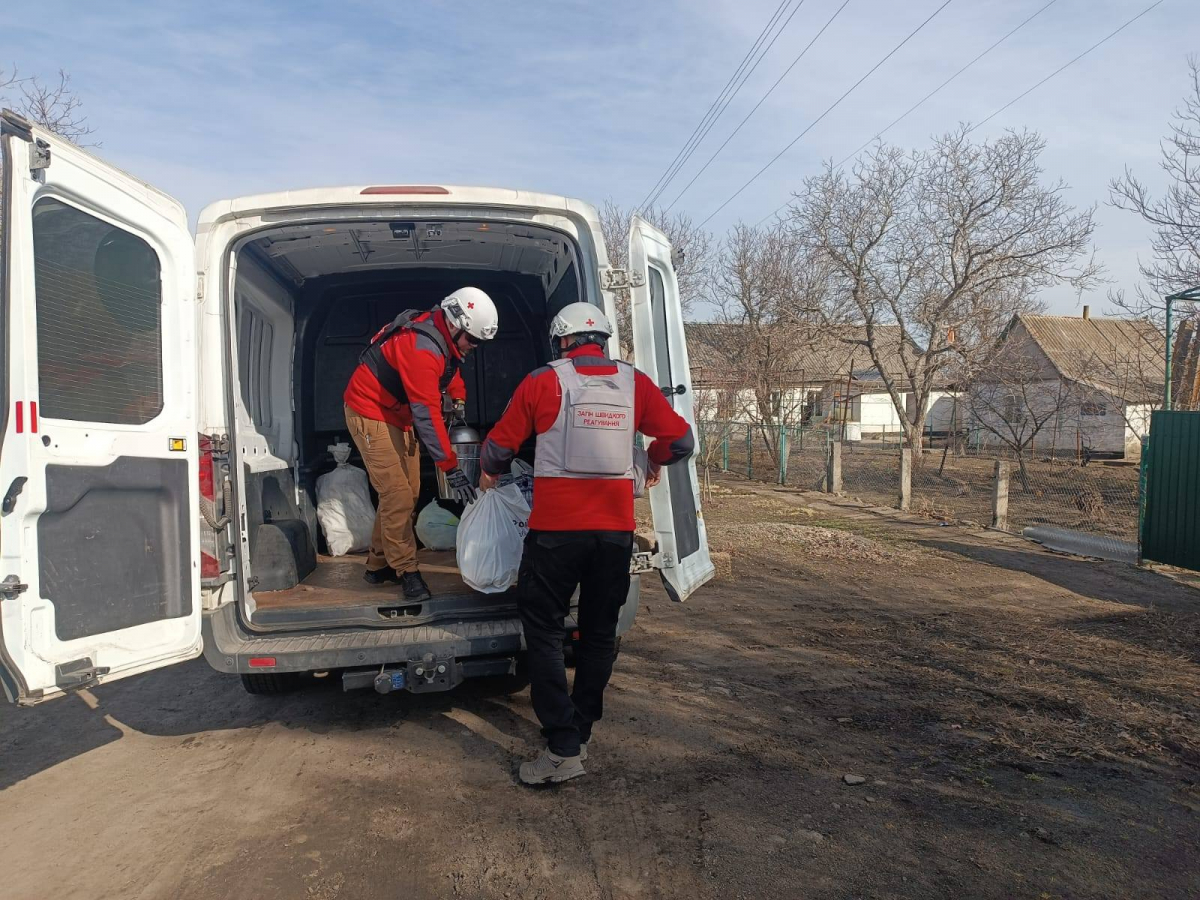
<point x="215" y="100"/>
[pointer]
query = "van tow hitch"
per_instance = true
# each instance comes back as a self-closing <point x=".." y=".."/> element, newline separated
<point x="420" y="676"/>
<point x="433" y="673"/>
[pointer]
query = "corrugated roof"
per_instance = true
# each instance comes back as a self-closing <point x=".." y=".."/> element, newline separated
<point x="1123" y="357"/>
<point x="722" y="354"/>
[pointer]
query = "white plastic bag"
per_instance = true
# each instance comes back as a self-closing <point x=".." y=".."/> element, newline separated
<point x="437" y="528"/>
<point x="344" y="505"/>
<point x="491" y="537"/>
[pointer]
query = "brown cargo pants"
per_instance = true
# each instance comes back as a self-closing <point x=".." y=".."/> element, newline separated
<point x="394" y="467"/>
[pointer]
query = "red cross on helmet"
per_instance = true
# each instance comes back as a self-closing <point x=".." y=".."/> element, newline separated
<point x="472" y="311"/>
<point x="580" y="318"/>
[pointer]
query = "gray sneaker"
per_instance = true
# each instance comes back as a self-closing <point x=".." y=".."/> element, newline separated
<point x="583" y="752"/>
<point x="550" y="768"/>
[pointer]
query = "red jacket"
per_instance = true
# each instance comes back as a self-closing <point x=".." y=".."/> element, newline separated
<point x="420" y="364"/>
<point x="583" y="504"/>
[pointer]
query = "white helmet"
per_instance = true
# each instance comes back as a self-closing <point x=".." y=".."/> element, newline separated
<point x="580" y="318"/>
<point x="471" y="310"/>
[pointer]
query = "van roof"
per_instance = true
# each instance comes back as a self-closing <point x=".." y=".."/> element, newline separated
<point x="391" y="196"/>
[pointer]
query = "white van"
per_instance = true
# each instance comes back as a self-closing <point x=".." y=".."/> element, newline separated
<point x="169" y="401"/>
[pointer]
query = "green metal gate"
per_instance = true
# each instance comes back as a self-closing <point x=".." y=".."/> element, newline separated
<point x="1171" y="524"/>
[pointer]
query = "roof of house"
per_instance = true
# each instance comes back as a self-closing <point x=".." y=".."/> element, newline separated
<point x="724" y="354"/>
<point x="1122" y="357"/>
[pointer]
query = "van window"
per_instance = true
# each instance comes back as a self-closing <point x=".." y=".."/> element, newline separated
<point x="255" y="337"/>
<point x="98" y="294"/>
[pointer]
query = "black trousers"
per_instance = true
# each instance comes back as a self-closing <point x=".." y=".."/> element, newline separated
<point x="553" y="565"/>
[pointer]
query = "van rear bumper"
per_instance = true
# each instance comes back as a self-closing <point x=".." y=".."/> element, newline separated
<point x="229" y="648"/>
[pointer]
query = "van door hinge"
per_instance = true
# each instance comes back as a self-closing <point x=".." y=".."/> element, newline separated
<point x="620" y="279"/>
<point x="39" y="156"/>
<point x="11" y="586"/>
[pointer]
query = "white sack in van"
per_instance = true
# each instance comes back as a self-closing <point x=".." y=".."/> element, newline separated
<point x="437" y="528"/>
<point x="344" y="505"/>
<point x="491" y="537"/>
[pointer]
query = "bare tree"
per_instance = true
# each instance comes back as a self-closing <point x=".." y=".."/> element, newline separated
<point x="948" y="243"/>
<point x="53" y="105"/>
<point x="1174" y="217"/>
<point x="766" y="291"/>
<point x="694" y="257"/>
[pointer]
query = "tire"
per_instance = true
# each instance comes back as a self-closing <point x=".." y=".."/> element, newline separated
<point x="270" y="683"/>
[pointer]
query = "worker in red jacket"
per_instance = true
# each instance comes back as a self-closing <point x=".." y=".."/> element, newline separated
<point x="394" y="401"/>
<point x="585" y="410"/>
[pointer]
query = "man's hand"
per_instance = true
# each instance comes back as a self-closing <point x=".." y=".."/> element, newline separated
<point x="460" y="487"/>
<point x="487" y="482"/>
<point x="653" y="475"/>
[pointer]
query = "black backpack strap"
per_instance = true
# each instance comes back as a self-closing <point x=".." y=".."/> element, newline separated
<point x="372" y="357"/>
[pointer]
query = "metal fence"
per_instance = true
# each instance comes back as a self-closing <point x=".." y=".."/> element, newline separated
<point x="950" y="483"/>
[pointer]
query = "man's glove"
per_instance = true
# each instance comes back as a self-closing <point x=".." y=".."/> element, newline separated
<point x="462" y="489"/>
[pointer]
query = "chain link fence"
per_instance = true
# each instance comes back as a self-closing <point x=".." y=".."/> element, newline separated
<point x="953" y="483"/>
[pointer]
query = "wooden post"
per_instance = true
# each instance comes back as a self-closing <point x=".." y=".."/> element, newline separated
<point x="1000" y="496"/>
<point x="833" y="472"/>
<point x="725" y="447"/>
<point x="905" y="477"/>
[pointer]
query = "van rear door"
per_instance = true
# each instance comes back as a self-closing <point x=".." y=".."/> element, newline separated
<point x="660" y="350"/>
<point x="99" y="550"/>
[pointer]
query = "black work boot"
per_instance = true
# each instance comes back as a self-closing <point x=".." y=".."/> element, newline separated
<point x="414" y="587"/>
<point x="386" y="575"/>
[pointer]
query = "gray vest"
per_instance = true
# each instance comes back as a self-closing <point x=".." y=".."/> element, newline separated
<point x="592" y="437"/>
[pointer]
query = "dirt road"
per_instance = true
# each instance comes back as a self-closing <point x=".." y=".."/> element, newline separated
<point x="1027" y="725"/>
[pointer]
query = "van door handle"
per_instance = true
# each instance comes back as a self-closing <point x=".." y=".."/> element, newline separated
<point x="14" y="491"/>
<point x="669" y="391"/>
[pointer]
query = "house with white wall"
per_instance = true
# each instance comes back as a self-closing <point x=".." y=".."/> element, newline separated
<point x="746" y="373"/>
<point x="1069" y="385"/>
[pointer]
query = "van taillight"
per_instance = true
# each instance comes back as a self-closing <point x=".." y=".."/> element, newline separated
<point x="210" y="565"/>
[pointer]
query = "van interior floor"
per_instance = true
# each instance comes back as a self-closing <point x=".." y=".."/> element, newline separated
<point x="337" y="582"/>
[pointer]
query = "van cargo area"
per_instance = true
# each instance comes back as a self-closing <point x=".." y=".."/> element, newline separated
<point x="307" y="299"/>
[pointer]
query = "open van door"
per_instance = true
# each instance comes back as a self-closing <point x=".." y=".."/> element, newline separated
<point x="99" y="549"/>
<point x="660" y="350"/>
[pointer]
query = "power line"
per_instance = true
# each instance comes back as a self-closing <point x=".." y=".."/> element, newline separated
<point x="1019" y="97"/>
<point x="695" y="145"/>
<point x="828" y="110"/>
<point x="896" y="121"/>
<point x="1102" y="40"/>
<point x="733" y="78"/>
<point x="936" y="90"/>
<point x="837" y="13"/>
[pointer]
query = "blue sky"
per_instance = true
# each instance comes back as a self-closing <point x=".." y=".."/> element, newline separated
<point x="213" y="100"/>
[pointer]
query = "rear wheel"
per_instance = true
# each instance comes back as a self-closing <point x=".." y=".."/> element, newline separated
<point x="270" y="682"/>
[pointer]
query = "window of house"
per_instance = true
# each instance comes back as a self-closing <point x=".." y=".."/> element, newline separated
<point x="1014" y="410"/>
<point x="1094" y="408"/>
<point x="98" y="294"/>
